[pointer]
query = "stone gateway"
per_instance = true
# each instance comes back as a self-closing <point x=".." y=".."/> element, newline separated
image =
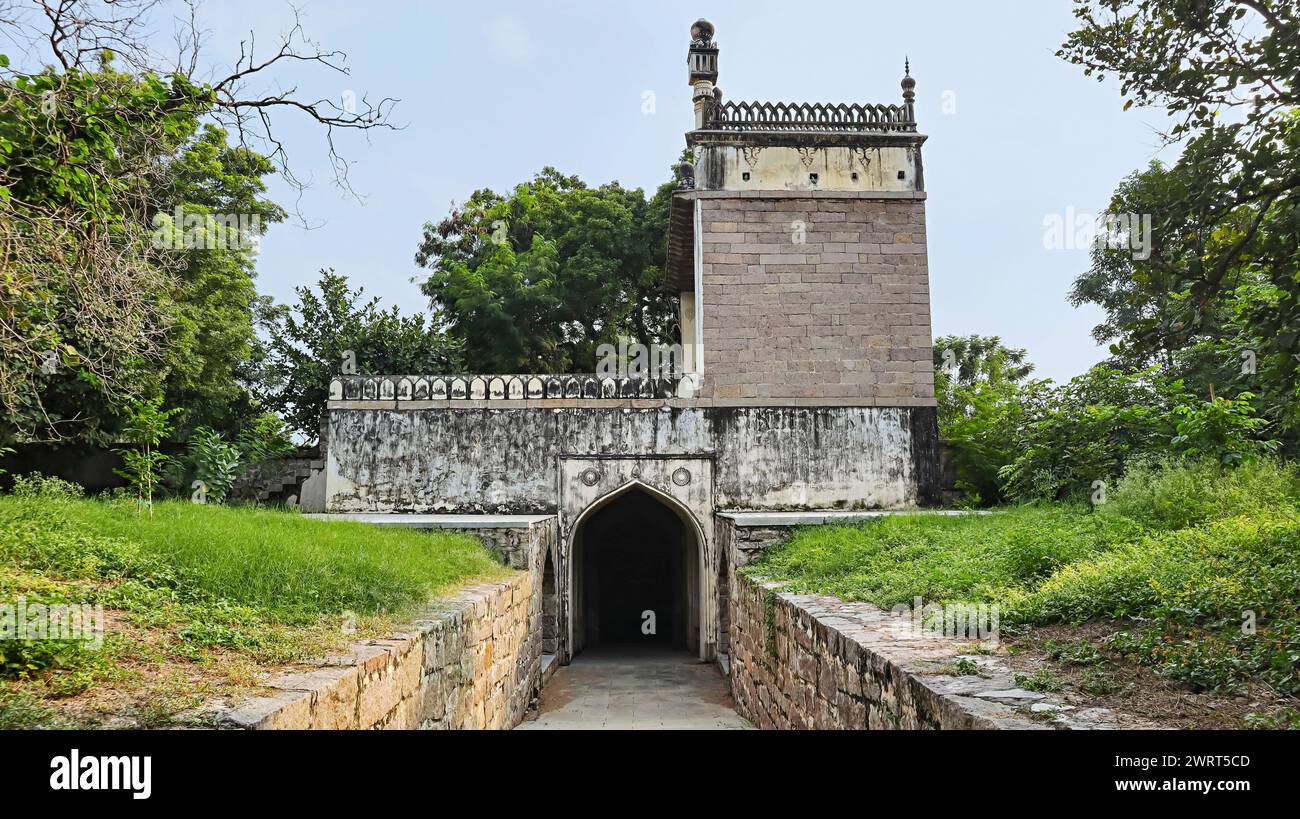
<point x="804" y="389"/>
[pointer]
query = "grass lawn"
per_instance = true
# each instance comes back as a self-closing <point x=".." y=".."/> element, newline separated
<point x="200" y="601"/>
<point x="1188" y="580"/>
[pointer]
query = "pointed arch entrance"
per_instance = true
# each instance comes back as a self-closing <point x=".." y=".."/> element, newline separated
<point x="638" y="563"/>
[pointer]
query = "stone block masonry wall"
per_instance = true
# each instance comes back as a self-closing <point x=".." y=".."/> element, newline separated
<point x="473" y="661"/>
<point x="277" y="479"/>
<point x="816" y="299"/>
<point x="745" y="544"/>
<point x="521" y="547"/>
<point x="812" y="662"/>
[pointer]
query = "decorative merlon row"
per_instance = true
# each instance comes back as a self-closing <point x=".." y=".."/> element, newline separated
<point x="782" y="116"/>
<point x="507" y="387"/>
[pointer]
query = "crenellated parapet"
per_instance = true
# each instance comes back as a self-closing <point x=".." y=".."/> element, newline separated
<point x="805" y="116"/>
<point x="512" y="387"/>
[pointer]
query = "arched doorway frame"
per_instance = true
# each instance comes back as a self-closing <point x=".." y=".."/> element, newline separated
<point x="705" y="570"/>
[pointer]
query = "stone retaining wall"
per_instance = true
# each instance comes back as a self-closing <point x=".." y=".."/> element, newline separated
<point x="744" y="544"/>
<point x="813" y="662"/>
<point x="473" y="661"/>
<point x="276" y="480"/>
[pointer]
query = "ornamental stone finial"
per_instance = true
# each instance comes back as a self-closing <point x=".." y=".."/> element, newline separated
<point x="702" y="33"/>
<point x="702" y="60"/>
<point x="685" y="173"/>
<point x="703" y="56"/>
<point x="909" y="90"/>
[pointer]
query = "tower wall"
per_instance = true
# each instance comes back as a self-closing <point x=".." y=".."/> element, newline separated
<point x="815" y="298"/>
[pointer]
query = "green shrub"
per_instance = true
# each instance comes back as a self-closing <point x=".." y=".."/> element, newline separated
<point x="1286" y="719"/>
<point x="1087" y="430"/>
<point x="1075" y="652"/>
<point x="1096" y="682"/>
<point x="1170" y="494"/>
<point x="1224" y="428"/>
<point x="48" y="487"/>
<point x="1206" y="575"/>
<point x="1097" y="425"/>
<point x="981" y="557"/>
<point x="267" y="436"/>
<point x="214" y="462"/>
<point x="22" y="659"/>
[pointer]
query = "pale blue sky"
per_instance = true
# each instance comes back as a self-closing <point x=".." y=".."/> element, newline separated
<point x="492" y="92"/>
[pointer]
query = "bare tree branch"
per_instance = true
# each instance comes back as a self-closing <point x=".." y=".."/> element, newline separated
<point x="77" y="33"/>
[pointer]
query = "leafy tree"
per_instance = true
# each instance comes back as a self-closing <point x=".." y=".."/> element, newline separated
<point x="981" y="388"/>
<point x="535" y="280"/>
<point x="307" y="345"/>
<point x="1224" y="277"/>
<point x="92" y="149"/>
<point x="1146" y="300"/>
<point x="1091" y="428"/>
<point x="1228" y="345"/>
<point x="86" y="294"/>
<point x="139" y="313"/>
<point x="976" y="358"/>
<point x="210" y="332"/>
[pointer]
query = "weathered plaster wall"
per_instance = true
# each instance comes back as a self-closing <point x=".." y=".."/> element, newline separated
<point x="786" y="167"/>
<point x="507" y="461"/>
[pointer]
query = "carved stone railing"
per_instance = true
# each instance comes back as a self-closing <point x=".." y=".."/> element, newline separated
<point x="782" y="116"/>
<point x="401" y="388"/>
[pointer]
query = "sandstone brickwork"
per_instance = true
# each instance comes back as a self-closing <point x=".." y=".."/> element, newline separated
<point x="812" y="299"/>
<point x="473" y="662"/>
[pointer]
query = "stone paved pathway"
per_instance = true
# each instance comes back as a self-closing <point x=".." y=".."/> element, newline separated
<point x="636" y="689"/>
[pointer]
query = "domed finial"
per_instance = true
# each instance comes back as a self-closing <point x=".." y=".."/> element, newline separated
<point x="702" y="33"/>
<point x="909" y="84"/>
<point x="685" y="173"/>
<point x="702" y="59"/>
